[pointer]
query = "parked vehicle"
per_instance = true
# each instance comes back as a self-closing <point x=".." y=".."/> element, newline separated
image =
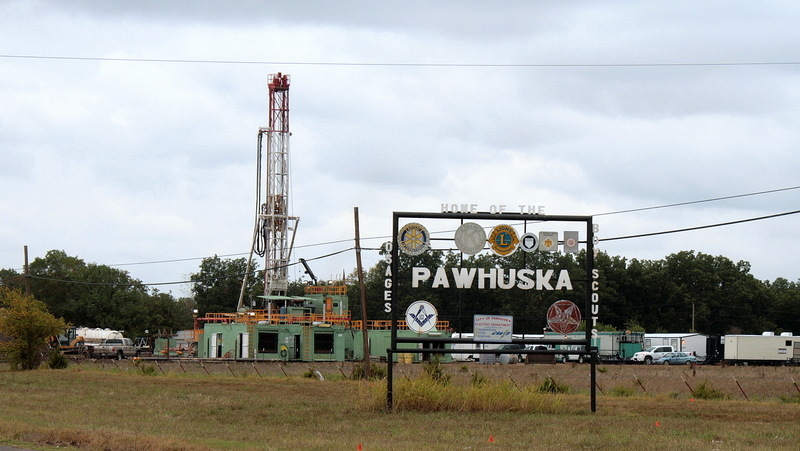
<point x="564" y="358"/>
<point x="676" y="358"/>
<point x="651" y="354"/>
<point x="118" y="348"/>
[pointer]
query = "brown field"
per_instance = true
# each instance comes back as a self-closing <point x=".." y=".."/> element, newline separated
<point x="757" y="382"/>
<point x="188" y="406"/>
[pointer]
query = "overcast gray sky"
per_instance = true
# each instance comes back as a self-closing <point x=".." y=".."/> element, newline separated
<point x="114" y="153"/>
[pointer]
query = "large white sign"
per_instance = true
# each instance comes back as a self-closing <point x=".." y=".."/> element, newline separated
<point x="492" y="328"/>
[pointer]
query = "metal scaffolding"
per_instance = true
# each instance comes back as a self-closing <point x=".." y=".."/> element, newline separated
<point x="274" y="224"/>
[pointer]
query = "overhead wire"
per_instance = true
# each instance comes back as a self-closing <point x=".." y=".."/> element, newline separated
<point x="226" y="276"/>
<point x="713" y="199"/>
<point x="686" y="229"/>
<point x="418" y="64"/>
<point x="409" y="64"/>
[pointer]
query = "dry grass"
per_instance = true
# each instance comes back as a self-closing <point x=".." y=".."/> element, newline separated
<point x="89" y="408"/>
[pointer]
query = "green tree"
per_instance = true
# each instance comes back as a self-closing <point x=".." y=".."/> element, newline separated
<point x="84" y="294"/>
<point x="786" y="305"/>
<point x="218" y="284"/>
<point x="11" y="278"/>
<point x="95" y="295"/>
<point x="28" y="325"/>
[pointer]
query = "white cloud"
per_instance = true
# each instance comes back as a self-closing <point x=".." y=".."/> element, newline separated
<point x="124" y="162"/>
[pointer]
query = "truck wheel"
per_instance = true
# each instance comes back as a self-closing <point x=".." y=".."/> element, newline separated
<point x="580" y="360"/>
<point x="648" y="360"/>
<point x="120" y="355"/>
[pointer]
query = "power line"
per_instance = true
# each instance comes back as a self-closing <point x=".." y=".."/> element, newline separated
<point x="238" y="254"/>
<point x="175" y="260"/>
<point x="687" y="229"/>
<point x="740" y="221"/>
<point x="227" y="276"/>
<point x="386" y="237"/>
<point x="713" y="199"/>
<point x="409" y="64"/>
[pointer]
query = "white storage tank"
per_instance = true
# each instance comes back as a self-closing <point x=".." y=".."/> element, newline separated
<point x="96" y="334"/>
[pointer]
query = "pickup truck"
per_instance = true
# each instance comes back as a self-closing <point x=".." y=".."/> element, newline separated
<point x="118" y="348"/>
<point x="649" y="355"/>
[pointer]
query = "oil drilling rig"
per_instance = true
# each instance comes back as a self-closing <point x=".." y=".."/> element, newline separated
<point x="273" y="223"/>
<point x="314" y="327"/>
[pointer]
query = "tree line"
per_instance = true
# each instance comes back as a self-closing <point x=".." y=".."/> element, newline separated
<point x="685" y="291"/>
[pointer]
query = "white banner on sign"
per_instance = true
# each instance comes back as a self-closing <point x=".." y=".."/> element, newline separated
<point x="492" y="328"/>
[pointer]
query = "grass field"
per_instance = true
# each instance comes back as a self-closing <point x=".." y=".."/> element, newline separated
<point x="121" y="406"/>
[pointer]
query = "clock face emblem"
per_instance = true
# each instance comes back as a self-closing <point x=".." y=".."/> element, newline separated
<point x="470" y="238"/>
<point x="413" y="239"/>
<point x="503" y="240"/>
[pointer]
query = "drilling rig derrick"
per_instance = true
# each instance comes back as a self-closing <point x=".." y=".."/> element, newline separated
<point x="271" y="237"/>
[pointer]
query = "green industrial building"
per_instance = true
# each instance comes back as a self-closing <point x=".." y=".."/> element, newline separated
<point x="316" y="327"/>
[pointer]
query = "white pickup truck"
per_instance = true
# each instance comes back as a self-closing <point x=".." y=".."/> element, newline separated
<point x="118" y="348"/>
<point x="651" y="354"/>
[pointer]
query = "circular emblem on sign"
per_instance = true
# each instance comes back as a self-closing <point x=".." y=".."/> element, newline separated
<point x="421" y="316"/>
<point x="563" y="317"/>
<point x="414" y="239"/>
<point x="529" y="242"/>
<point x="470" y="238"/>
<point x="503" y="240"/>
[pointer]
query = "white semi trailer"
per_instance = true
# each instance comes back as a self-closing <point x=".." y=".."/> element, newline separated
<point x="766" y="349"/>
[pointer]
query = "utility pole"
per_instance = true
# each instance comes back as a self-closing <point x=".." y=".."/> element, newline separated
<point x="25" y="271"/>
<point x="363" y="295"/>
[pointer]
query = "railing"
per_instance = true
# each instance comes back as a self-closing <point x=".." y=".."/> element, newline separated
<point x="401" y="325"/>
<point x="254" y="317"/>
<point x="264" y="317"/>
<point x="326" y="289"/>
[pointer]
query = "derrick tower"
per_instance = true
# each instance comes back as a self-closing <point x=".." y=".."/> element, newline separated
<point x="273" y="225"/>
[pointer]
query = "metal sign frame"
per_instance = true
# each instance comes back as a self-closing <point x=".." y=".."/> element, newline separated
<point x="397" y="342"/>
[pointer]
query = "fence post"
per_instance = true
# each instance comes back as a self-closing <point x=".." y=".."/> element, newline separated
<point x="740" y="388"/>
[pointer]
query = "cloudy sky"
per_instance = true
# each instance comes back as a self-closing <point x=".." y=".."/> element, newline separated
<point x="128" y="129"/>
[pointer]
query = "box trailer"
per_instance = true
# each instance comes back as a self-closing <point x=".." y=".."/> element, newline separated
<point x="612" y="347"/>
<point x="693" y="343"/>
<point x="766" y="349"/>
